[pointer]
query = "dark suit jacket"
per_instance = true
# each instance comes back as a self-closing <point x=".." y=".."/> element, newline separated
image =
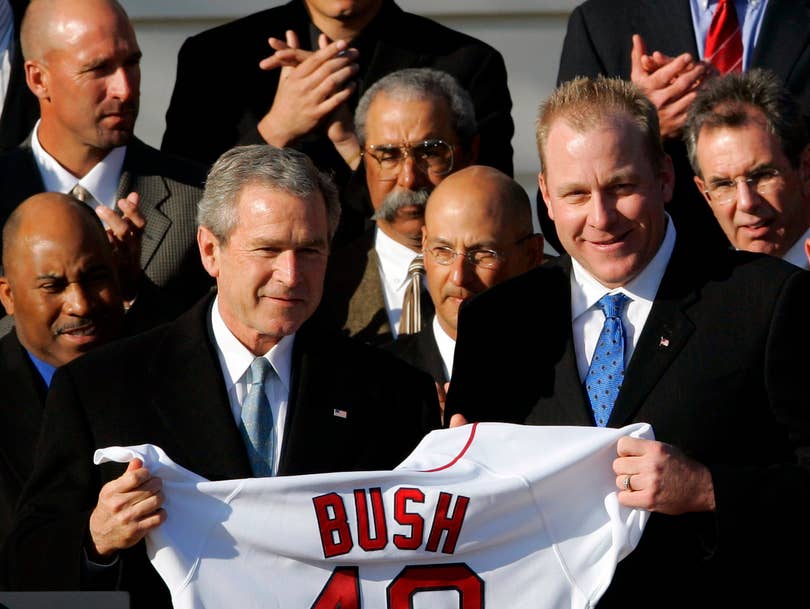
<point x="20" y="109"/>
<point x="353" y="298"/>
<point x="420" y="350"/>
<point x="221" y="66"/>
<point x="165" y="387"/>
<point x="598" y="41"/>
<point x="169" y="190"/>
<point x="719" y="371"/>
<point x="22" y="398"/>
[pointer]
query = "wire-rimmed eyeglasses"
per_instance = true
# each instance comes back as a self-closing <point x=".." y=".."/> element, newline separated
<point x="764" y="181"/>
<point x="485" y="258"/>
<point x="433" y="157"/>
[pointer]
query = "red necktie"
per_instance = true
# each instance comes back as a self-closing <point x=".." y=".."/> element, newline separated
<point x="724" y="42"/>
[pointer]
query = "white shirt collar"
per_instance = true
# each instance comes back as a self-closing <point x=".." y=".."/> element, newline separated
<point x="395" y="259"/>
<point x="446" y="345"/>
<point x="796" y="254"/>
<point x="235" y="358"/>
<point x="101" y="181"/>
<point x="586" y="289"/>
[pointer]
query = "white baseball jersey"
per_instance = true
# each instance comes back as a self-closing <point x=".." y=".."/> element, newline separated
<point x="485" y="515"/>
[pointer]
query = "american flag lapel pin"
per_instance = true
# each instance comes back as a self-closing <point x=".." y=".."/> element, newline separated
<point x="342" y="414"/>
<point x="663" y="342"/>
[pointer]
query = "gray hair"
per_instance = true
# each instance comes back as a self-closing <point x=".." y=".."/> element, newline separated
<point x="281" y="169"/>
<point x="728" y="101"/>
<point x="585" y="103"/>
<point x="413" y="84"/>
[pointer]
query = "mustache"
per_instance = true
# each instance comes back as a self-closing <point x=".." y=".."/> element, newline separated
<point x="397" y="199"/>
<point x="84" y="325"/>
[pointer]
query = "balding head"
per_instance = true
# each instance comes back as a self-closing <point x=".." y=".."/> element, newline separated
<point x="51" y="24"/>
<point x="59" y="279"/>
<point x="82" y="61"/>
<point x="477" y="209"/>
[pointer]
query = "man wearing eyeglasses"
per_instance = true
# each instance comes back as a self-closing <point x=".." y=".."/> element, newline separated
<point x="414" y="128"/>
<point x="478" y="232"/>
<point x="747" y="143"/>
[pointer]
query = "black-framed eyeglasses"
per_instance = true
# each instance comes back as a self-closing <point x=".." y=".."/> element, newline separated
<point x="764" y="181"/>
<point x="433" y="157"/>
<point x="485" y="258"/>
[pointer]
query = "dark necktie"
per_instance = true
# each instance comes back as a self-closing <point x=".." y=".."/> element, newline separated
<point x="411" y="319"/>
<point x="606" y="373"/>
<point x="257" y="420"/>
<point x="724" y="46"/>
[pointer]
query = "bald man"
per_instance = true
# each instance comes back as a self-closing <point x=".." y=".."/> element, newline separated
<point x="59" y="281"/>
<point x="478" y="232"/>
<point x="82" y="62"/>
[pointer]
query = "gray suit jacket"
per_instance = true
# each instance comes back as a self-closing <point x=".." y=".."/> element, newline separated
<point x="169" y="189"/>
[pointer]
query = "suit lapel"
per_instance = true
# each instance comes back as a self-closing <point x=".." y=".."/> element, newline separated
<point x="194" y="401"/>
<point x="21" y="407"/>
<point x="665" y="333"/>
<point x="783" y="38"/>
<point x="568" y="404"/>
<point x="137" y="176"/>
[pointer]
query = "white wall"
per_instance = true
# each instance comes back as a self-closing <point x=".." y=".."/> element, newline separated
<point x="528" y="33"/>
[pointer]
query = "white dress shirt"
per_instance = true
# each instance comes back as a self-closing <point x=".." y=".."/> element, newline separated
<point x="588" y="319"/>
<point x="395" y="259"/>
<point x="235" y="360"/>
<point x="101" y="181"/>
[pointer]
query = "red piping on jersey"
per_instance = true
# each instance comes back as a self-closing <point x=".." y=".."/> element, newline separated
<point x="460" y="454"/>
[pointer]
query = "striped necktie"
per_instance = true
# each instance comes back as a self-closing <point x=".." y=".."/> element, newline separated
<point x="724" y="46"/>
<point x="411" y="319"/>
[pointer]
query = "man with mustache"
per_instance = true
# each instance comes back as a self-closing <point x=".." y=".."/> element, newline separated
<point x="82" y="62"/>
<point x="415" y="127"/>
<point x="60" y="285"/>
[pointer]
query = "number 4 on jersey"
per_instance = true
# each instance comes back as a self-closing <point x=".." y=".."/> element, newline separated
<point x="342" y="589"/>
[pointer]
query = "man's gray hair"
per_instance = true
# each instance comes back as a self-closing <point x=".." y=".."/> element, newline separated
<point x="281" y="169"/>
<point x="413" y="84"/>
<point x="727" y="101"/>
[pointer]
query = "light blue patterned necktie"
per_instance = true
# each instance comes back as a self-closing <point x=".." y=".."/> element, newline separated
<point x="606" y="373"/>
<point x="257" y="420"/>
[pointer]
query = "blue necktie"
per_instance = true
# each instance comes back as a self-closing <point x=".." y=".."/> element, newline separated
<point x="605" y="376"/>
<point x="257" y="420"/>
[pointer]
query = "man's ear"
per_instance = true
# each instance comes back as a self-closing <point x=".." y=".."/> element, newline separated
<point x="37" y="79"/>
<point x="541" y="181"/>
<point x="6" y="295"/>
<point x="209" y="247"/>
<point x="667" y="176"/>
<point x="702" y="188"/>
